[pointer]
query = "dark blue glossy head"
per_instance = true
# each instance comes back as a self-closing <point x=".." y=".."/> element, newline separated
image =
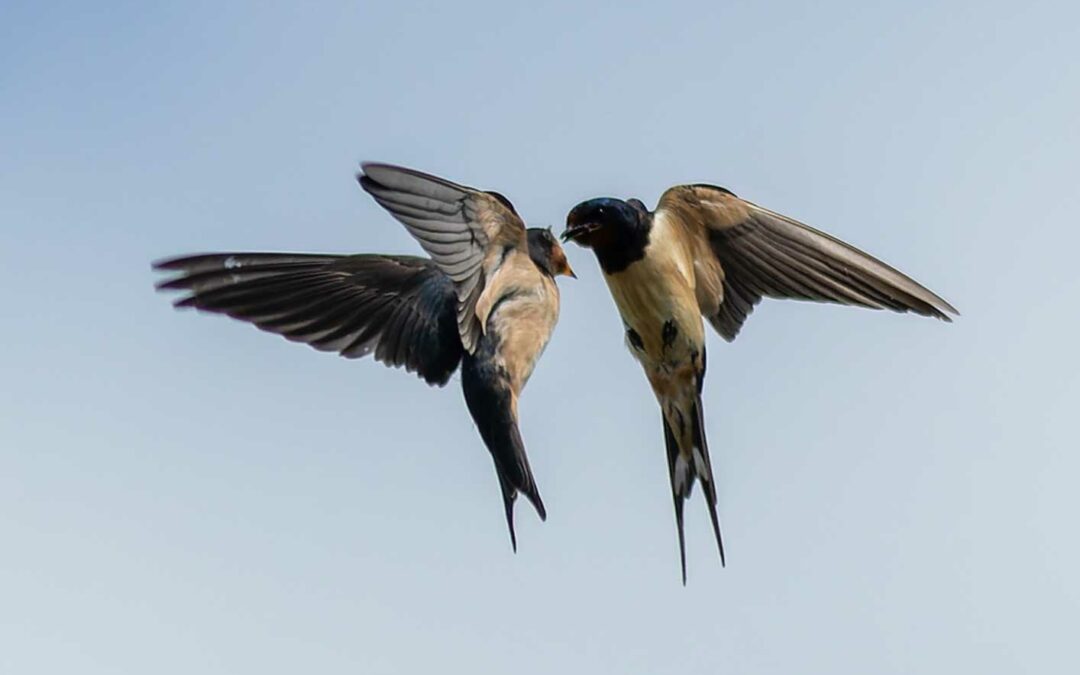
<point x="617" y="230"/>
<point x="594" y="217"/>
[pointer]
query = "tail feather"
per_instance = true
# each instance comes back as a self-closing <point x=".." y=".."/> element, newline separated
<point x="680" y="489"/>
<point x="509" y="495"/>
<point x="489" y="399"/>
<point x="514" y="478"/>
<point x="703" y="467"/>
<point x="686" y="466"/>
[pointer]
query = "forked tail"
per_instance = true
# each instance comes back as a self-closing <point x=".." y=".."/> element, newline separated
<point x="687" y="464"/>
<point x="490" y="401"/>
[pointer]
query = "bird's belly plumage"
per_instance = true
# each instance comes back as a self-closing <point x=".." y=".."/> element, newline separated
<point x="522" y="323"/>
<point x="656" y="300"/>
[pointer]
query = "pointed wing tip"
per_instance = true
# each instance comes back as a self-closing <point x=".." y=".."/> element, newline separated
<point x="369" y="175"/>
<point x="169" y="264"/>
<point x="176" y="283"/>
<point x="941" y="308"/>
<point x="183" y="263"/>
<point x="366" y="183"/>
<point x="367" y="167"/>
<point x="373" y="170"/>
<point x="942" y="311"/>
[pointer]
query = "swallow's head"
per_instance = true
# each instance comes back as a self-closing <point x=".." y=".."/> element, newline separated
<point x="616" y="230"/>
<point x="547" y="253"/>
<point x="603" y="221"/>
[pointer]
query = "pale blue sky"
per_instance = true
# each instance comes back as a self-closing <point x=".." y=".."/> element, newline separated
<point x="185" y="494"/>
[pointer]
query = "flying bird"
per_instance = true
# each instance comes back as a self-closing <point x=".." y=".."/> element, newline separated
<point x="706" y="253"/>
<point x="485" y="299"/>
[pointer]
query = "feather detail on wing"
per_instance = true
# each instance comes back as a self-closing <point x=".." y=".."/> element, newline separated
<point x="465" y="231"/>
<point x="401" y="308"/>
<point x="766" y="254"/>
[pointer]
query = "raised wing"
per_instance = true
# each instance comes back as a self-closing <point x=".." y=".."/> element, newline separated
<point x="766" y="254"/>
<point x="401" y="308"/>
<point x="467" y="232"/>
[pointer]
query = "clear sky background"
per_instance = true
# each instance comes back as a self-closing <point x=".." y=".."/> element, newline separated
<point x="181" y="493"/>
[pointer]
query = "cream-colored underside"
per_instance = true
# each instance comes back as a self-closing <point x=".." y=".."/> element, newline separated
<point x="525" y="321"/>
<point x="669" y="283"/>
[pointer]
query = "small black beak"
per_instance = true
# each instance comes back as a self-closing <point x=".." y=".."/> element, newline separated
<point x="572" y="232"/>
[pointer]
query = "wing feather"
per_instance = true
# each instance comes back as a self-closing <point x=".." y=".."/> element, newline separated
<point x="461" y="228"/>
<point x="766" y="254"/>
<point x="403" y="308"/>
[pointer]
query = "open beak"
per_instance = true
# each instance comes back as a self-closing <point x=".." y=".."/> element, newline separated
<point x="573" y="232"/>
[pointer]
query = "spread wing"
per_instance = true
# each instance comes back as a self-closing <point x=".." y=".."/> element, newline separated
<point x="766" y="254"/>
<point x="401" y="308"/>
<point x="465" y="231"/>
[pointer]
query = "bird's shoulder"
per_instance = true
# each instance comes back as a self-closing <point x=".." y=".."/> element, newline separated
<point x="697" y="213"/>
<point x="498" y="218"/>
<point x="700" y="207"/>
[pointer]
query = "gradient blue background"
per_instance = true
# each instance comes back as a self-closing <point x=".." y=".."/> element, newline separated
<point x="184" y="494"/>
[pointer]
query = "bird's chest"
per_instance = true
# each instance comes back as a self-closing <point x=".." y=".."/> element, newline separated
<point x="656" y="300"/>
<point x="522" y="323"/>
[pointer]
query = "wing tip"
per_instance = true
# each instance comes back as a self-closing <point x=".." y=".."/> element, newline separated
<point x="172" y="263"/>
<point x="939" y="309"/>
<point x="368" y="184"/>
<point x="383" y="174"/>
<point x="367" y="168"/>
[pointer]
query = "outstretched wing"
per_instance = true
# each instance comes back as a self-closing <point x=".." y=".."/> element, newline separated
<point x="766" y="254"/>
<point x="466" y="232"/>
<point x="401" y="308"/>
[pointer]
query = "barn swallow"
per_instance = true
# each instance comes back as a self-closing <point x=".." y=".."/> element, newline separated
<point x="485" y="299"/>
<point x="705" y="252"/>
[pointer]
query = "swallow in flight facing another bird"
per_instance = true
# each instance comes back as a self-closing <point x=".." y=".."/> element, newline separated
<point x="705" y="252"/>
<point x="486" y="299"/>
